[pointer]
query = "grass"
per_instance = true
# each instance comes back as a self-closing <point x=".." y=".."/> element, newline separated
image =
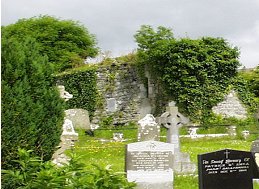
<point x="102" y="151"/>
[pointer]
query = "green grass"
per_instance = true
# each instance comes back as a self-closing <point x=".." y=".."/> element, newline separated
<point x="96" y="151"/>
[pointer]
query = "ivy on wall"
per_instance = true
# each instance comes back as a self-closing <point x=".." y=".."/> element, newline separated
<point x="242" y="86"/>
<point x="194" y="73"/>
<point x="81" y="83"/>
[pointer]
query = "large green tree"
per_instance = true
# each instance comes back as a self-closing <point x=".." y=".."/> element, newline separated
<point x="195" y="73"/>
<point x="32" y="111"/>
<point x="66" y="43"/>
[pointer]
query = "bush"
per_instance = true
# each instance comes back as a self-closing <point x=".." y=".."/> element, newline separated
<point x="32" y="111"/>
<point x="32" y="173"/>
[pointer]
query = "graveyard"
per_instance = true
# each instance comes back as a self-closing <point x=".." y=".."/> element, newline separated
<point x="112" y="153"/>
<point x="176" y="114"/>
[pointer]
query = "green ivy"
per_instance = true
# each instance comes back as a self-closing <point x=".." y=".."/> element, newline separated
<point x="194" y="73"/>
<point x="245" y="93"/>
<point x="81" y="83"/>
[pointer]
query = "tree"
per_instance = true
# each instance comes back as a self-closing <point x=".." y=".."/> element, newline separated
<point x="66" y="43"/>
<point x="196" y="73"/>
<point x="32" y="111"/>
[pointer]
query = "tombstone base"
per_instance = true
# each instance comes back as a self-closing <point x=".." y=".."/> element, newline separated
<point x="162" y="185"/>
<point x="183" y="164"/>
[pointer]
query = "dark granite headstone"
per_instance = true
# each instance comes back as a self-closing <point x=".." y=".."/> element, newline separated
<point x="226" y="169"/>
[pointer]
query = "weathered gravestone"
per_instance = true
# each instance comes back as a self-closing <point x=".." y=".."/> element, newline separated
<point x="226" y="169"/>
<point x="79" y="118"/>
<point x="148" y="129"/>
<point x="150" y="164"/>
<point x="173" y="120"/>
<point x="255" y="152"/>
<point x="68" y="135"/>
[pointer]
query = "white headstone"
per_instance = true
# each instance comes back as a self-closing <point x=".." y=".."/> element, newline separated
<point x="150" y="164"/>
<point x="148" y="128"/>
<point x="68" y="128"/>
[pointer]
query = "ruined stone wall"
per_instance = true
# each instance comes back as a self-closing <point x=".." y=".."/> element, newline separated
<point x="123" y="97"/>
<point x="231" y="107"/>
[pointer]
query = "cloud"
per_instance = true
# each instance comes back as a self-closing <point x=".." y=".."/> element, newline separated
<point x="116" y="21"/>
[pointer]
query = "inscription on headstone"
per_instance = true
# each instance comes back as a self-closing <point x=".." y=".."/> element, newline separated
<point x="226" y="169"/>
<point x="150" y="164"/>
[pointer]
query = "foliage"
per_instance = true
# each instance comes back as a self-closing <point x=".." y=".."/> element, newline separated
<point x="252" y="77"/>
<point x="196" y="73"/>
<point x="32" y="111"/>
<point x="81" y="83"/>
<point x="66" y="43"/>
<point x="106" y="122"/>
<point x="246" y="93"/>
<point x="33" y="173"/>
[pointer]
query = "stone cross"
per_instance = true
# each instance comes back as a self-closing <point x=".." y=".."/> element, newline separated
<point x="172" y="120"/>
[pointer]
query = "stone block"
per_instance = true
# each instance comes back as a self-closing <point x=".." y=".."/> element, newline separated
<point x="79" y="118"/>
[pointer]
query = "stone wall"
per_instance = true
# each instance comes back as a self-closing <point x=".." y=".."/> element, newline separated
<point x="231" y="107"/>
<point x="123" y="96"/>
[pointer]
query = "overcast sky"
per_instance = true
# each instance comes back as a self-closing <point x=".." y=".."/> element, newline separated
<point x="114" y="22"/>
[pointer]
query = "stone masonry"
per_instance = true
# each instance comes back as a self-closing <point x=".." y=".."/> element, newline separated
<point x="122" y="94"/>
<point x="231" y="107"/>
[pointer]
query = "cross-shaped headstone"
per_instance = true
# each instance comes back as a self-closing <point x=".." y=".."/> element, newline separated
<point x="172" y="120"/>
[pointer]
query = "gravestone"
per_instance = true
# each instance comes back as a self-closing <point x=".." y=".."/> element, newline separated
<point x="226" y="169"/>
<point x="79" y="118"/>
<point x="150" y="164"/>
<point x="255" y="152"/>
<point x="255" y="146"/>
<point x="64" y="94"/>
<point x="118" y="137"/>
<point x="148" y="129"/>
<point x="68" y="135"/>
<point x="173" y="120"/>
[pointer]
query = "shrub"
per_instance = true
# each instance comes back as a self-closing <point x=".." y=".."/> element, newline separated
<point x="32" y="173"/>
<point x="32" y="111"/>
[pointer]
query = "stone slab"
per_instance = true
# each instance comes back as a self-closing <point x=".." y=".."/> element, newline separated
<point x="150" y="164"/>
<point x="79" y="118"/>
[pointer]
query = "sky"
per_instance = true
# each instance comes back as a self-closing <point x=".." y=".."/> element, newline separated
<point x="114" y="22"/>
